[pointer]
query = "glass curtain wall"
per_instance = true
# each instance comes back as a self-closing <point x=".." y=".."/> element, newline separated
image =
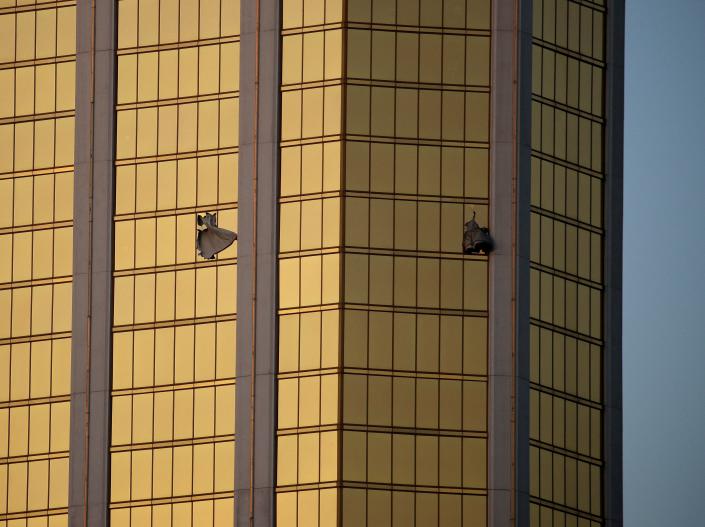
<point x="383" y="333"/>
<point x="414" y="409"/>
<point x="310" y="263"/>
<point x="37" y="77"/>
<point x="567" y="171"/>
<point x="173" y="394"/>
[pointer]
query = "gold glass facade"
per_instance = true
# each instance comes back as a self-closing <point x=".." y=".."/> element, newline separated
<point x="383" y="321"/>
<point x="567" y="180"/>
<point x="173" y="393"/>
<point x="382" y="383"/>
<point x="310" y="263"/>
<point x="37" y="78"/>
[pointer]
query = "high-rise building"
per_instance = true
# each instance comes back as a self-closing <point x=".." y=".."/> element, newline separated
<point x="344" y="363"/>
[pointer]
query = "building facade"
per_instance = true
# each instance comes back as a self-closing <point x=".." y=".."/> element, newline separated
<point x="343" y="363"/>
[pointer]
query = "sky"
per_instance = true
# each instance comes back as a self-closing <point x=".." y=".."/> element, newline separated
<point x="664" y="264"/>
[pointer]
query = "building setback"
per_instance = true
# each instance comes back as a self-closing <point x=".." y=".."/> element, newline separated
<point x="343" y="363"/>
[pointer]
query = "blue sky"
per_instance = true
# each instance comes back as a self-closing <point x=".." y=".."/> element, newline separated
<point x="664" y="262"/>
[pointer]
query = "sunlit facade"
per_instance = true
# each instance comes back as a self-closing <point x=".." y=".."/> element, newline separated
<point x="384" y="151"/>
<point x="173" y="355"/>
<point x="37" y="79"/>
<point x="343" y="363"/>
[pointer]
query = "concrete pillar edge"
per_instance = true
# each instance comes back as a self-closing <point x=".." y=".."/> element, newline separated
<point x="89" y="458"/>
<point x="508" y="331"/>
<point x="257" y="319"/>
<point x="612" y="300"/>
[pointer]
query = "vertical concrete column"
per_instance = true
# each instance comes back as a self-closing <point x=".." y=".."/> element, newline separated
<point x="522" y="261"/>
<point x="612" y="300"/>
<point x="89" y="460"/>
<point x="258" y="183"/>
<point x="510" y="151"/>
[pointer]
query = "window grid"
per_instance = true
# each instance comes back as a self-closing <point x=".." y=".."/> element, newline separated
<point x="173" y="394"/>
<point x="405" y="186"/>
<point x="308" y="441"/>
<point x="37" y="77"/>
<point x="567" y="173"/>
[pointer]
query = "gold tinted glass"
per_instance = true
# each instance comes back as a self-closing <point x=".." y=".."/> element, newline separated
<point x="372" y="281"/>
<point x="174" y="374"/>
<point x="566" y="234"/>
<point x="37" y="82"/>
